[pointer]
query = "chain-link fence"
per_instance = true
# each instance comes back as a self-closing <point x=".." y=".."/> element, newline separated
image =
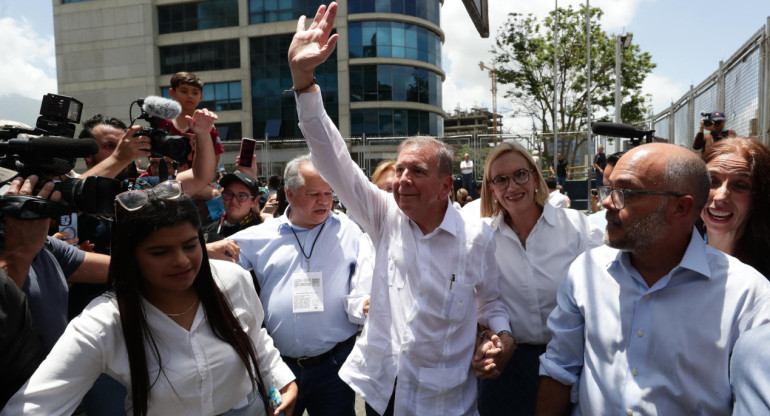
<point x="739" y="88"/>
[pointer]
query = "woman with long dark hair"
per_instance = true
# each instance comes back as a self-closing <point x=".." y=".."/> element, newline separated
<point x="735" y="216"/>
<point x="181" y="333"/>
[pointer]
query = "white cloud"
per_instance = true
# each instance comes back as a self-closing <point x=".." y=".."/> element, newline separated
<point x="28" y="65"/>
<point x="663" y="91"/>
<point x="466" y="84"/>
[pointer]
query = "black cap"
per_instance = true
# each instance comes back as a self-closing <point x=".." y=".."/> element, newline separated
<point x="717" y="115"/>
<point x="245" y="179"/>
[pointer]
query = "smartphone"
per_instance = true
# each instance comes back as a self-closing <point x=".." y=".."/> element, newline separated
<point x="275" y="398"/>
<point x="247" y="152"/>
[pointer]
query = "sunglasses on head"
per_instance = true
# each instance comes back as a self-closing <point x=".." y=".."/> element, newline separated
<point x="135" y="199"/>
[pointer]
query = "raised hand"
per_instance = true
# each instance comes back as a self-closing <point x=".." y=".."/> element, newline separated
<point x="311" y="47"/>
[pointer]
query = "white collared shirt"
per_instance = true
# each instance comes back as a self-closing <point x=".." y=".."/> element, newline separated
<point x="529" y="279"/>
<point x="660" y="350"/>
<point x="202" y="375"/>
<point x="428" y="291"/>
<point x="558" y="200"/>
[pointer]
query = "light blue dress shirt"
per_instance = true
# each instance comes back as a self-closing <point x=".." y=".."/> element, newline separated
<point x="627" y="348"/>
<point x="750" y="373"/>
<point x="271" y="250"/>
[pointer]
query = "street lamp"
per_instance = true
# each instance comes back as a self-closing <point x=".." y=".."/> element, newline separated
<point x="621" y="42"/>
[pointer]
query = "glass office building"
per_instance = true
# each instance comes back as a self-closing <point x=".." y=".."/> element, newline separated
<point x="384" y="79"/>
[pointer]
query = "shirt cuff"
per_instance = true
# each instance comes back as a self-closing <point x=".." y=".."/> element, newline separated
<point x="551" y="369"/>
<point x="498" y="324"/>
<point x="310" y="105"/>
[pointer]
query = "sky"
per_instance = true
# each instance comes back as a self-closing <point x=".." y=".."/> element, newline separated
<point x="686" y="39"/>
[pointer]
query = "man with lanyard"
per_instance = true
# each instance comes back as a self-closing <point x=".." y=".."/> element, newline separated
<point x="239" y="194"/>
<point x="435" y="274"/>
<point x="303" y="262"/>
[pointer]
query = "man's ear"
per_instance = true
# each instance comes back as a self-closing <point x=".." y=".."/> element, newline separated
<point x="683" y="208"/>
<point x="172" y="93"/>
<point x="446" y="186"/>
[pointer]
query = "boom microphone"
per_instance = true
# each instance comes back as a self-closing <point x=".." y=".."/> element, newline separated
<point x="160" y="107"/>
<point x="617" y="130"/>
<point x="54" y="146"/>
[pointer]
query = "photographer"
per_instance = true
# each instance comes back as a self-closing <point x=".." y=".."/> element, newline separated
<point x="127" y="148"/>
<point x="714" y="122"/>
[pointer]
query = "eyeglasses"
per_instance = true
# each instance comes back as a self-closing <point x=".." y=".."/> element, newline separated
<point x="240" y="196"/>
<point x="619" y="195"/>
<point x="133" y="200"/>
<point x="521" y="176"/>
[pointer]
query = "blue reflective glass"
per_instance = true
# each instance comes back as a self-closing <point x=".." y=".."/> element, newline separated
<point x="398" y="36"/>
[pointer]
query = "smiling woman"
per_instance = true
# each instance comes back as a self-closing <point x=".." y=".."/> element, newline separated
<point x="183" y="334"/>
<point x="735" y="217"/>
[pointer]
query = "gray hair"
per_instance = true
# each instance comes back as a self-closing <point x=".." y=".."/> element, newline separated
<point x="445" y="155"/>
<point x="292" y="175"/>
<point x="688" y="176"/>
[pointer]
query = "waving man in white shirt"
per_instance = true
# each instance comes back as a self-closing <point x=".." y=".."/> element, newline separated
<point x="435" y="273"/>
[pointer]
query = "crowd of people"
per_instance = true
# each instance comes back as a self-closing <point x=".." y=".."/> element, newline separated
<point x="419" y="298"/>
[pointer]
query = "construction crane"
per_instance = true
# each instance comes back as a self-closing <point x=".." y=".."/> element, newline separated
<point x="493" y="75"/>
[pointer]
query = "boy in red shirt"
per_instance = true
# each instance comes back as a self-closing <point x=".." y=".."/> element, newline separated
<point x="187" y="89"/>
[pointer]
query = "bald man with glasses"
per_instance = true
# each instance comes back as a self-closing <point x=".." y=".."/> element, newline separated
<point x="647" y="323"/>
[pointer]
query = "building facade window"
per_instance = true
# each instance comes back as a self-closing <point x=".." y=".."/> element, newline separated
<point x="197" y="16"/>
<point x="394" y="40"/>
<point x="395" y="122"/>
<point x="265" y="11"/>
<point x="394" y="83"/>
<point x="196" y="57"/>
<point x="219" y="96"/>
<point x="424" y="9"/>
<point x="274" y="113"/>
<point x="229" y="132"/>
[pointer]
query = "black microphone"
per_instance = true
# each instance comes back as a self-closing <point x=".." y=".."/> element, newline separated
<point x="617" y="130"/>
<point x="55" y="146"/>
<point x="160" y="107"/>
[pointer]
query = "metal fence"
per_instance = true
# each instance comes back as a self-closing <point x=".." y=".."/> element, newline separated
<point x="739" y="87"/>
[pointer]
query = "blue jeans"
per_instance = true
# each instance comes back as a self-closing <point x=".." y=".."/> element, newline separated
<point x="321" y="390"/>
<point x="468" y="182"/>
<point x="599" y="179"/>
<point x="561" y="180"/>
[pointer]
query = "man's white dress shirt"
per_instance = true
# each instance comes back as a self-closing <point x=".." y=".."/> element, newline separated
<point x="529" y="279"/>
<point x="202" y="375"/>
<point x="660" y="350"/>
<point x="428" y="291"/>
<point x="558" y="200"/>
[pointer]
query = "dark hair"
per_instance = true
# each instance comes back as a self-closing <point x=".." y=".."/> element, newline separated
<point x="274" y="181"/>
<point x="751" y="247"/>
<point x="129" y="230"/>
<point x="96" y="120"/>
<point x="186" y="78"/>
<point x="612" y="159"/>
<point x="283" y="203"/>
<point x="550" y="182"/>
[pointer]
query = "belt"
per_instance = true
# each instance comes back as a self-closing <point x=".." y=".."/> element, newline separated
<point x="307" y="362"/>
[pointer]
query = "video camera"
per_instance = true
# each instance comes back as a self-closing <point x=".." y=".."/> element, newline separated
<point x="47" y="151"/>
<point x="153" y="109"/>
<point x="710" y="118"/>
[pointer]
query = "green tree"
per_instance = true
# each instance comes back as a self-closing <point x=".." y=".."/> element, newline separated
<point x="523" y="55"/>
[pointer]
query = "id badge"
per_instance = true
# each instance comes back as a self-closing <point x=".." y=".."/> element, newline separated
<point x="307" y="292"/>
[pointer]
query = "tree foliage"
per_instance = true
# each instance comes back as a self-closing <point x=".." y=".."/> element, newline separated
<point x="524" y="58"/>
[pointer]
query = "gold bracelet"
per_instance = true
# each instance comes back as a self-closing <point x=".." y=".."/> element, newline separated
<point x="300" y="90"/>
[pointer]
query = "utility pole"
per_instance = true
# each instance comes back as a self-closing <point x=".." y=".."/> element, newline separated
<point x="493" y="76"/>
<point x="621" y="42"/>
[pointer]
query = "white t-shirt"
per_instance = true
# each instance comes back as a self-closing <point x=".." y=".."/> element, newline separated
<point x="466" y="167"/>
